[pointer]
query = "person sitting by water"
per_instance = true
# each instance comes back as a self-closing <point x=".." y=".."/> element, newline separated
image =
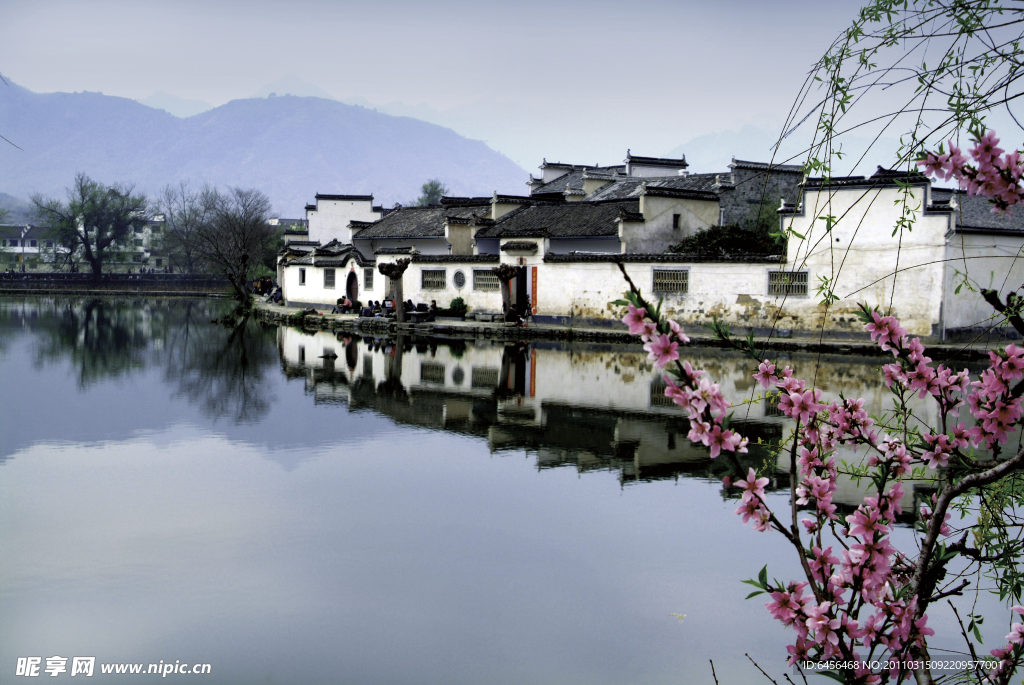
<point x="408" y="306"/>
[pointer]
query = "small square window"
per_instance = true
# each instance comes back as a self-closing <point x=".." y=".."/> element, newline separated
<point x="433" y="279"/>
<point x="671" y="281"/>
<point x="329" y="278"/>
<point x="49" y="243"/>
<point x="302" y="277"/>
<point x="33" y="243"/>
<point x="485" y="279"/>
<point x="13" y="243"/>
<point x="787" y="283"/>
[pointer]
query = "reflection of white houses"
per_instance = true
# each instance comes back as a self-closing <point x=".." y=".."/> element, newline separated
<point x="567" y="238"/>
<point x="583" y="407"/>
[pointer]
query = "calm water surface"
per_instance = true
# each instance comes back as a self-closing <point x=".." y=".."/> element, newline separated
<point x="309" y="508"/>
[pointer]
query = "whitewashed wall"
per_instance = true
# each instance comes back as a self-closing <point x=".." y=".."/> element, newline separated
<point x="329" y="221"/>
<point x="861" y="258"/>
<point x="988" y="260"/>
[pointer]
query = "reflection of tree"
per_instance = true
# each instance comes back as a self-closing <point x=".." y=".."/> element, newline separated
<point x="102" y="338"/>
<point x="223" y="367"/>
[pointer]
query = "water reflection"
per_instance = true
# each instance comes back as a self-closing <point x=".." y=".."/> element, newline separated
<point x="358" y="531"/>
<point x="223" y="368"/>
<point x="588" y="407"/>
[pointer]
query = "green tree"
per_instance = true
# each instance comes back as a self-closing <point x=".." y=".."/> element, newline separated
<point x="94" y="220"/>
<point x="431" y="193"/>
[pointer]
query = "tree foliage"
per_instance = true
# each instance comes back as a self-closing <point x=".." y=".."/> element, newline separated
<point x="758" y="234"/>
<point x="431" y="193"/>
<point x="94" y="219"/>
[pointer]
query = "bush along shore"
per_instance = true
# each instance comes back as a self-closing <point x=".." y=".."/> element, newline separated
<point x="469" y="329"/>
<point x="85" y="283"/>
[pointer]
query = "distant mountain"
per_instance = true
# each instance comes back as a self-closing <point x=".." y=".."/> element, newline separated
<point x="179" y="107"/>
<point x="19" y="211"/>
<point x="289" y="147"/>
<point x="293" y="85"/>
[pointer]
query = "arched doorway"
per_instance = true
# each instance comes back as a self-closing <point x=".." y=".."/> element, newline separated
<point x="352" y="286"/>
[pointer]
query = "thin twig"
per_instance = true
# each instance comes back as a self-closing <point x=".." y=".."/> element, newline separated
<point x="713" y="674"/>
<point x="759" y="668"/>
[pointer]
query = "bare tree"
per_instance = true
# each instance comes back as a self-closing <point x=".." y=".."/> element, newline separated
<point x="94" y="218"/>
<point x="185" y="211"/>
<point x="236" y="237"/>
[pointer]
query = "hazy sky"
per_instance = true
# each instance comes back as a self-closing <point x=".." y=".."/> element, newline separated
<point x="577" y="80"/>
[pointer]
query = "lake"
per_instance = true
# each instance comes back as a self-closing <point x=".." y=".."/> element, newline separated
<point x="306" y="507"/>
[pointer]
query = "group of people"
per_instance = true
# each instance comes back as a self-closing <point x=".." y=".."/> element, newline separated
<point x="385" y="308"/>
<point x="263" y="286"/>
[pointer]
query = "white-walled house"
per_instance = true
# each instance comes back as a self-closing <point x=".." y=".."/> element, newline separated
<point x="568" y="251"/>
<point x="329" y="217"/>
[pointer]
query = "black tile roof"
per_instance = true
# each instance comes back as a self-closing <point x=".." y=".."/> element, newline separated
<point x="568" y="220"/>
<point x="324" y="196"/>
<point x="703" y="185"/>
<point x="666" y="258"/>
<point x="656" y="161"/>
<point x="573" y="180"/>
<point x="519" y="246"/>
<point x="448" y="258"/>
<point x="974" y="214"/>
<point x="764" y="166"/>
<point x="416" y="222"/>
<point x="9" y="231"/>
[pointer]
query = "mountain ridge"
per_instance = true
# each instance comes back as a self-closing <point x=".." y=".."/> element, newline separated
<point x="289" y="147"/>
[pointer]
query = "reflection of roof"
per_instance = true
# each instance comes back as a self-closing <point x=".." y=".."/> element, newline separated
<point x="416" y="222"/>
<point x="571" y="220"/>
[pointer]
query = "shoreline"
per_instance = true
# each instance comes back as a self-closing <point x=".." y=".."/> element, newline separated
<point x="482" y="330"/>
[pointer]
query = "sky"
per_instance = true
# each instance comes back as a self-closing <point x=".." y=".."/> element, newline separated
<point x="577" y="81"/>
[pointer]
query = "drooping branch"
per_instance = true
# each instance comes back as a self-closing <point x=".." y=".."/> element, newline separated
<point x="1011" y="309"/>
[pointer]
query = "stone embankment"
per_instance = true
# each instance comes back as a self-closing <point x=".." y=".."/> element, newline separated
<point x="495" y="330"/>
<point x="112" y="284"/>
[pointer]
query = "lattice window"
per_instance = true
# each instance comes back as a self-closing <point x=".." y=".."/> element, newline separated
<point x="431" y="372"/>
<point x="329" y="278"/>
<point x="302" y="277"/>
<point x="787" y="283"/>
<point x="671" y="281"/>
<point x="771" y="405"/>
<point x="485" y="279"/>
<point x="433" y="279"/>
<point x="483" y="378"/>
<point x="460" y="279"/>
<point x="367" y="279"/>
<point x="658" y="398"/>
